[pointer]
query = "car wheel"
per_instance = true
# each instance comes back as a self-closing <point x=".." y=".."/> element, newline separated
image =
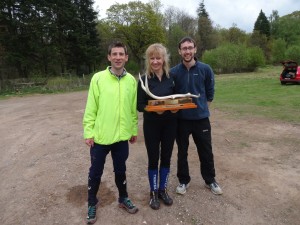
<point x="282" y="82"/>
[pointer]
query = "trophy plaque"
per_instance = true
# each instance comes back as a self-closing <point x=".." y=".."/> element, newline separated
<point x="170" y="104"/>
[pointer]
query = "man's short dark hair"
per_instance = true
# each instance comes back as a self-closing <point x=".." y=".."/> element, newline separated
<point x="116" y="44"/>
<point x="188" y="39"/>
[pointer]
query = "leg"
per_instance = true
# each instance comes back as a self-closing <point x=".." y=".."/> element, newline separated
<point x="202" y="138"/>
<point x="167" y="144"/>
<point x="119" y="153"/>
<point x="98" y="155"/>
<point x="152" y="132"/>
<point x="182" y="140"/>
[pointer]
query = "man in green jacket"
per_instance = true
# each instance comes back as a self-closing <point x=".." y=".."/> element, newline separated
<point x="110" y="121"/>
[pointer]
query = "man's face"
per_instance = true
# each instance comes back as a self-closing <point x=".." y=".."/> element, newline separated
<point x="117" y="58"/>
<point x="187" y="51"/>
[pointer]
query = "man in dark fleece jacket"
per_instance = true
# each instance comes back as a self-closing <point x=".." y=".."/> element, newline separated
<point x="195" y="77"/>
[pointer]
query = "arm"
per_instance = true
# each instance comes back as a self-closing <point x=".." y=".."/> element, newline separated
<point x="134" y="113"/>
<point x="90" y="113"/>
<point x="142" y="99"/>
<point x="209" y="85"/>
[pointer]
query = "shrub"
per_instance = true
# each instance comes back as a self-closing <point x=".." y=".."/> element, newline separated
<point x="278" y="51"/>
<point x="255" y="57"/>
<point x="293" y="53"/>
<point x="228" y="58"/>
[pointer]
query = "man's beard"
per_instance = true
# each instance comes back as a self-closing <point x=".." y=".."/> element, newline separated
<point x="188" y="60"/>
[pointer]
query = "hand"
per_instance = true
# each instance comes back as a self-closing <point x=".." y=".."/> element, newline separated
<point x="133" y="139"/>
<point x="160" y="112"/>
<point x="174" y="111"/>
<point x="90" y="142"/>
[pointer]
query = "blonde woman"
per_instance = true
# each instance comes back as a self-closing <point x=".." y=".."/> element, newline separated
<point x="159" y="127"/>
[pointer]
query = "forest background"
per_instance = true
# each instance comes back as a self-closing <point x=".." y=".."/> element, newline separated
<point x="52" y="44"/>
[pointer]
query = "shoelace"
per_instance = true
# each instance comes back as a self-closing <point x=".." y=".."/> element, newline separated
<point x="92" y="211"/>
<point x="165" y="195"/>
<point x="128" y="203"/>
<point x="214" y="185"/>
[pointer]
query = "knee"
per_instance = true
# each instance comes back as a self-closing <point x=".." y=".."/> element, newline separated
<point x="165" y="164"/>
<point x="153" y="166"/>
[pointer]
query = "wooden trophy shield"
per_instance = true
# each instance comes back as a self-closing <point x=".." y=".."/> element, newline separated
<point x="170" y="104"/>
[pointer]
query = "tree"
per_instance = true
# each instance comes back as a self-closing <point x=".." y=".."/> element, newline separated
<point x="174" y="16"/>
<point x="289" y="28"/>
<point x="260" y="40"/>
<point x="19" y="17"/>
<point x="262" y="25"/>
<point x="233" y="35"/>
<point x="175" y="34"/>
<point x="42" y="35"/>
<point x="137" y="25"/>
<point x="177" y="24"/>
<point x="84" y="41"/>
<point x="205" y="30"/>
<point x="274" y="19"/>
<point x="278" y="50"/>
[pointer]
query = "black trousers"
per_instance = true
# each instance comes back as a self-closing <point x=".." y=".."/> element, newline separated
<point x="119" y="153"/>
<point x="201" y="133"/>
<point x="159" y="140"/>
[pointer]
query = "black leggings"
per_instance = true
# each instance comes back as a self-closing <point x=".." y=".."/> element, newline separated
<point x="159" y="140"/>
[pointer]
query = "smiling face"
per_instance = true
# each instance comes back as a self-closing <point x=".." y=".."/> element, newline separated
<point x="187" y="51"/>
<point x="117" y="58"/>
<point x="156" y="63"/>
<point x="157" y="60"/>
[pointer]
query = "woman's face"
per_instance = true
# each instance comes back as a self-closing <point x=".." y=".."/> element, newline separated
<point x="156" y="63"/>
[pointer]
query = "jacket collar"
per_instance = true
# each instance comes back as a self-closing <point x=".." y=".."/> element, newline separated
<point x="122" y="75"/>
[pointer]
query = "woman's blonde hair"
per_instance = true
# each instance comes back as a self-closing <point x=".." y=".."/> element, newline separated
<point x="157" y="49"/>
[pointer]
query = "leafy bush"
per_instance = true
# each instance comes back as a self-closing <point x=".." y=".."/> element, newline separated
<point x="278" y="50"/>
<point x="230" y="58"/>
<point x="293" y="53"/>
<point x="255" y="58"/>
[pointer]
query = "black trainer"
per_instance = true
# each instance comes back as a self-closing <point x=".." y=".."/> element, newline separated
<point x="91" y="215"/>
<point x="163" y="195"/>
<point x="128" y="206"/>
<point x="154" y="202"/>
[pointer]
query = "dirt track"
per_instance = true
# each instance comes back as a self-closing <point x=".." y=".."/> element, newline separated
<point x="44" y="164"/>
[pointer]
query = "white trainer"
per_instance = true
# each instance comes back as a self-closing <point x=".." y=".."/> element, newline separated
<point x="181" y="188"/>
<point x="215" y="188"/>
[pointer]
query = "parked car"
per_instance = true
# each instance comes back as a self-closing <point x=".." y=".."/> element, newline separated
<point x="290" y="72"/>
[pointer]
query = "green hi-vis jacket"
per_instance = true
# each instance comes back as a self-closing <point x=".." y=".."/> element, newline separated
<point x="110" y="114"/>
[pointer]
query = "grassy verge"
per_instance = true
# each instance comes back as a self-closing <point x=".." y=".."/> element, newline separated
<point x="258" y="94"/>
<point x="52" y="85"/>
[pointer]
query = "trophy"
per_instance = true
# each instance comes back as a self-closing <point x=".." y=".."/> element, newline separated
<point x="169" y="102"/>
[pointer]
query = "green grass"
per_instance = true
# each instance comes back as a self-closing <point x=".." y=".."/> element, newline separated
<point x="258" y="94"/>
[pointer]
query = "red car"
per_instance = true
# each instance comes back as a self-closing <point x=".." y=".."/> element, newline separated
<point x="290" y="72"/>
